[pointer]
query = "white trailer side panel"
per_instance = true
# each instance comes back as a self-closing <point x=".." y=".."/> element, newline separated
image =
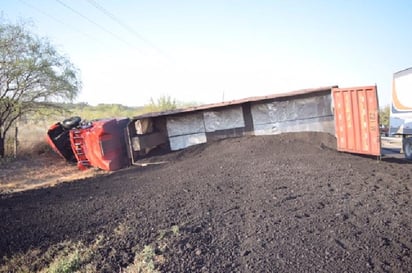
<point x="185" y="130"/>
<point x="401" y="108"/>
<point x="294" y="115"/>
<point x="184" y="141"/>
<point x="223" y="119"/>
<point x="185" y="124"/>
<point x="324" y="124"/>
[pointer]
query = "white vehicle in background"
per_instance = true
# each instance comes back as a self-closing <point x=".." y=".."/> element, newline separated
<point x="400" y="122"/>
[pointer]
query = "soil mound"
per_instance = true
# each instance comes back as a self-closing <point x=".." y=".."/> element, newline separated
<point x="284" y="203"/>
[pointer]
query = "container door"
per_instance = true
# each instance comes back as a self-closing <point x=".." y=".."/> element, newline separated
<point x="356" y="113"/>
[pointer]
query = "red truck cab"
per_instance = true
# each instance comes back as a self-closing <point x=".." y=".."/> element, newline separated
<point x="99" y="143"/>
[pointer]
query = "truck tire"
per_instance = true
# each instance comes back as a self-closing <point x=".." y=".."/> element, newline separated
<point x="407" y="147"/>
<point x="71" y="122"/>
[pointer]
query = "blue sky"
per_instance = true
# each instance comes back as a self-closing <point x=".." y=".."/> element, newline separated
<point x="209" y="51"/>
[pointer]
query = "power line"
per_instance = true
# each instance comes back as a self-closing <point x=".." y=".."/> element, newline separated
<point x="94" y="23"/>
<point x="125" y="26"/>
<point x="58" y="20"/>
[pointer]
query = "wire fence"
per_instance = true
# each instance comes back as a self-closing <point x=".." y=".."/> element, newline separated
<point x="27" y="137"/>
<point x="21" y="147"/>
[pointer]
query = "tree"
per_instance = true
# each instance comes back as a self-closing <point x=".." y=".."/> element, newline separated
<point x="164" y="103"/>
<point x="33" y="76"/>
<point x="384" y="116"/>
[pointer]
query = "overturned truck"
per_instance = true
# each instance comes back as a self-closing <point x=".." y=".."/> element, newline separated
<point x="111" y="144"/>
<point x="100" y="143"/>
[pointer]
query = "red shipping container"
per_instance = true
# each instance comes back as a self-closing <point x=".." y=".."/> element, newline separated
<point x="356" y="113"/>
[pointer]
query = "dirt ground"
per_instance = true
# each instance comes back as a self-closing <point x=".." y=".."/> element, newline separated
<point x="39" y="171"/>
<point x="284" y="203"/>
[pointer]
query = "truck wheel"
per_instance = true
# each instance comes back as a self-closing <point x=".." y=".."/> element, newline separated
<point x="407" y="147"/>
<point x="71" y="122"/>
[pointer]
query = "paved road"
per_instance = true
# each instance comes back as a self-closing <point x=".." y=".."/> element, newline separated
<point x="391" y="147"/>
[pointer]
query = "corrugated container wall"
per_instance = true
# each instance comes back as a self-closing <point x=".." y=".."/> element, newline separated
<point x="357" y="120"/>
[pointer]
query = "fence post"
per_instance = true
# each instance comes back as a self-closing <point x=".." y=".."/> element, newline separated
<point x="16" y="141"/>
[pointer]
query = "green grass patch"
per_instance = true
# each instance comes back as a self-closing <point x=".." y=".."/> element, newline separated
<point x="66" y="264"/>
<point x="71" y="257"/>
<point x="144" y="262"/>
<point x="66" y="257"/>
